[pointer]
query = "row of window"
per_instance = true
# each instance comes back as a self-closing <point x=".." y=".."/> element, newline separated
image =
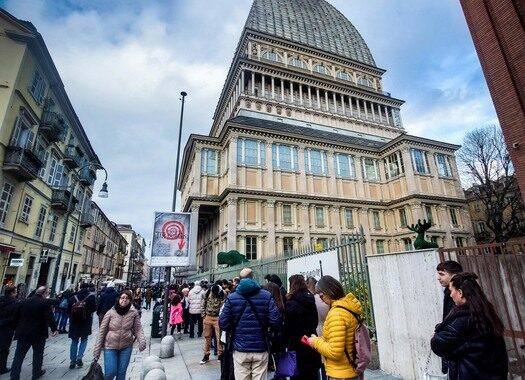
<point x="25" y="211"/>
<point x="286" y="158"/>
<point x="317" y="68"/>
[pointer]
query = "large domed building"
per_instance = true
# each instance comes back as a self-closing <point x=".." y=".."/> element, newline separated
<point x="306" y="146"/>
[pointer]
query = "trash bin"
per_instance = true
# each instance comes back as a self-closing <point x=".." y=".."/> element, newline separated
<point x="156" y="322"/>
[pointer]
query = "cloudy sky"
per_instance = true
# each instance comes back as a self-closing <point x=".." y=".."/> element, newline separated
<point x="124" y="64"/>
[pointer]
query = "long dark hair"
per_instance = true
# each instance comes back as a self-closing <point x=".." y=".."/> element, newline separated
<point x="297" y="283"/>
<point x="276" y="293"/>
<point x="483" y="313"/>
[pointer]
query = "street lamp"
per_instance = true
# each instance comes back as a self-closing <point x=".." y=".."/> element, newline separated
<point x="102" y="194"/>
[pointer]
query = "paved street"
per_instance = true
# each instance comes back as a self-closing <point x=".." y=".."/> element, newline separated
<point x="183" y="366"/>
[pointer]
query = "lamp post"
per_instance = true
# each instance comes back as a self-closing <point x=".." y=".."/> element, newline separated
<point x="167" y="277"/>
<point x="102" y="194"/>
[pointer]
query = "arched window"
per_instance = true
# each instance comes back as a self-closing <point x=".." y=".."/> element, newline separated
<point x="321" y="69"/>
<point x="344" y="75"/>
<point x="272" y="56"/>
<point x="365" y="82"/>
<point x="298" y="63"/>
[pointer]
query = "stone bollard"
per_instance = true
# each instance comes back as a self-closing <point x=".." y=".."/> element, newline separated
<point x="167" y="347"/>
<point x="149" y="364"/>
<point x="156" y="374"/>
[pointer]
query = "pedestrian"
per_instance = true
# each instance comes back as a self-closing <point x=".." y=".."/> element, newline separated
<point x="212" y="305"/>
<point x="33" y="317"/>
<point x="247" y="315"/>
<point x="277" y="280"/>
<point x="195" y="301"/>
<point x="81" y="307"/>
<point x="137" y="298"/>
<point x="471" y="336"/>
<point x="118" y="330"/>
<point x="176" y="315"/>
<point x="8" y="303"/>
<point x="322" y="311"/>
<point x="185" y="309"/>
<point x="445" y="271"/>
<point x="107" y="299"/>
<point x="148" y="296"/>
<point x="62" y="310"/>
<point x="277" y="341"/>
<point x="337" y="343"/>
<point x="300" y="320"/>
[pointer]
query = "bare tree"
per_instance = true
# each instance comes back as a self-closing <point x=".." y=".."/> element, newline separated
<point x="488" y="167"/>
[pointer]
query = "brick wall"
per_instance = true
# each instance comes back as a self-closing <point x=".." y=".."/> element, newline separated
<point x="498" y="31"/>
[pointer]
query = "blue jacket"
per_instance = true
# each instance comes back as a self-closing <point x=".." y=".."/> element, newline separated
<point x="107" y="300"/>
<point x="249" y="336"/>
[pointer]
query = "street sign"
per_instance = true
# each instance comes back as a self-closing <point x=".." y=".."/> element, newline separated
<point x="16" y="262"/>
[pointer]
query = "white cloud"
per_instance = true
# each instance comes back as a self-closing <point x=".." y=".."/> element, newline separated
<point x="125" y="63"/>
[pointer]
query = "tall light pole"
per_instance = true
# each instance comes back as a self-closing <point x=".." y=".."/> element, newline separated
<point x="167" y="277"/>
<point x="102" y="194"/>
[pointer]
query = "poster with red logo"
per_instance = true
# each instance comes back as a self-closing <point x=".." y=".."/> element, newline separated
<point x="171" y="240"/>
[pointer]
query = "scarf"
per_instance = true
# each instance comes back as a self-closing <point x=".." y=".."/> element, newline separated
<point x="122" y="310"/>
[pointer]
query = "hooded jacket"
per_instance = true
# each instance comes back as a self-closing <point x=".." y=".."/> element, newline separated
<point x="195" y="299"/>
<point x="249" y="335"/>
<point x="469" y="354"/>
<point x="338" y="333"/>
<point x="119" y="331"/>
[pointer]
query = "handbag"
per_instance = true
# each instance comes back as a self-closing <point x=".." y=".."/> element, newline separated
<point x="94" y="373"/>
<point x="286" y="364"/>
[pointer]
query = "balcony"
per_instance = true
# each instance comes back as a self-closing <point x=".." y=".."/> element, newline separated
<point x="87" y="219"/>
<point x="60" y="200"/>
<point x="53" y="126"/>
<point x="23" y="163"/>
<point x="72" y="159"/>
<point x="87" y="176"/>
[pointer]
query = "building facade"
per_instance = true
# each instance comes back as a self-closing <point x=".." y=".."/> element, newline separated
<point x="135" y="255"/>
<point x="498" y="31"/>
<point x="103" y="249"/>
<point x="48" y="165"/>
<point x="306" y="146"/>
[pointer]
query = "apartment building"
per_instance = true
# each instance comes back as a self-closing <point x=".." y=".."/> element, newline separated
<point x="133" y="266"/>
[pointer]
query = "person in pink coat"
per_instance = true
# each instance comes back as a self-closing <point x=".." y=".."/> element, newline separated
<point x="176" y="315"/>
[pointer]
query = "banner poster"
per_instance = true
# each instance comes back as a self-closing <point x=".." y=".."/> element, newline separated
<point x="171" y="239"/>
<point x="316" y="265"/>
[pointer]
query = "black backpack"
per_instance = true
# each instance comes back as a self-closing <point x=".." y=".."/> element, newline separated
<point x="78" y="310"/>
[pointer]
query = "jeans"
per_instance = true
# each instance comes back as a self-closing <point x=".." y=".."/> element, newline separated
<point x="63" y="320"/>
<point x="116" y="363"/>
<point x="21" y="350"/>
<point x="76" y="351"/>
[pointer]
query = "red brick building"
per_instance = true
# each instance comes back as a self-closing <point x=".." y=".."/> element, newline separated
<point x="498" y="31"/>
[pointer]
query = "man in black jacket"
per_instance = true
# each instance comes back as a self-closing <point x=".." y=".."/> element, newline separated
<point x="33" y="318"/>
<point x="106" y="301"/>
<point x="445" y="271"/>
<point x="7" y="328"/>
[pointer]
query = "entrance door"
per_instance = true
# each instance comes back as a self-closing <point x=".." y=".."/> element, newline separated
<point x="44" y="272"/>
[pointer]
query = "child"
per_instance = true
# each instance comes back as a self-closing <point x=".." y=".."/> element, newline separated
<point x="176" y="315"/>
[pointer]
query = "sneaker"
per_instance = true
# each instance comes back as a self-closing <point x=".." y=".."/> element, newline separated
<point x="79" y="363"/>
<point x="205" y="359"/>
<point x="72" y="365"/>
<point x="39" y="374"/>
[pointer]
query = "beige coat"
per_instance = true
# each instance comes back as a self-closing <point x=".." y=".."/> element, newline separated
<point x="119" y="331"/>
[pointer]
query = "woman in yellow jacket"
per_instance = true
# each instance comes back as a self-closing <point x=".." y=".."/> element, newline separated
<point x="338" y="331"/>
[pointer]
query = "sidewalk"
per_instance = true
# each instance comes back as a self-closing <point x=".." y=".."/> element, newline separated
<point x="183" y="366"/>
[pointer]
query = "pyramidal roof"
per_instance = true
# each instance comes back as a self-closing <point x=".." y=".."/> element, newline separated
<point x="314" y="23"/>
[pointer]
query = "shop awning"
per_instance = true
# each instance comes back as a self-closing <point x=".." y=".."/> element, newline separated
<point x="6" y="248"/>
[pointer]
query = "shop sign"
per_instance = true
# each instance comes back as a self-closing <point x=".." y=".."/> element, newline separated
<point x="16" y="262"/>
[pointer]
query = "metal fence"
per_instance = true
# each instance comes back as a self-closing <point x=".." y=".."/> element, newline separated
<point x="501" y="271"/>
<point x="353" y="269"/>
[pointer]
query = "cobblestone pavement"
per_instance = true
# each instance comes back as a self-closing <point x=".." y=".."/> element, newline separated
<point x="183" y="366"/>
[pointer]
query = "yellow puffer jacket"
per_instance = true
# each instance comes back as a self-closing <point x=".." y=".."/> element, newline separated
<point x="338" y="333"/>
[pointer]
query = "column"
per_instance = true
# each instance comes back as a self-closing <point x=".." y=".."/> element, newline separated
<point x="446" y="225"/>
<point x="336" y="214"/>
<point x="335" y="102"/>
<point x="291" y="92"/>
<point x="310" y="96"/>
<point x="305" y="222"/>
<point x="343" y="104"/>
<point x="194" y="233"/>
<point x="302" y="170"/>
<point x="351" y="106"/>
<point x="301" y="94"/>
<point x="242" y="82"/>
<point x="409" y="170"/>
<point x="326" y="100"/>
<point x="263" y="85"/>
<point x="359" y="176"/>
<point x="270" y="223"/>
<point x="417" y="213"/>
<point x="273" y="87"/>
<point x="366" y="109"/>
<point x="232" y="168"/>
<point x="373" y="111"/>
<point x="282" y="89"/>
<point x="269" y="165"/>
<point x="332" y="188"/>
<point x="365" y="223"/>
<point x="253" y="84"/>
<point x="436" y="184"/>
<point x="318" y="98"/>
<point x="196" y="188"/>
<point x="232" y="223"/>
<point x="357" y="101"/>
<point x="380" y="113"/>
<point x="387" y="116"/>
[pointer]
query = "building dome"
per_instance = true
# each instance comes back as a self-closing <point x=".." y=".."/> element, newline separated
<point x="313" y="23"/>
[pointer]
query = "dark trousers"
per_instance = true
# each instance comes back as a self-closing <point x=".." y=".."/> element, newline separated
<point x="21" y="350"/>
<point x="195" y="318"/>
<point x="186" y="318"/>
<point x="227" y="365"/>
<point x="4" y="353"/>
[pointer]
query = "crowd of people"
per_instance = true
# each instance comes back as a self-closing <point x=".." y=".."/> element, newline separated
<point x="250" y="326"/>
